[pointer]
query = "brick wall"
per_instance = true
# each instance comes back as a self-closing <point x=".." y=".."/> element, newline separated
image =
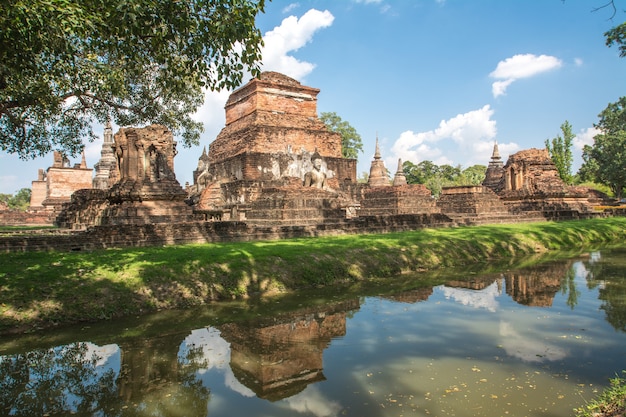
<point x="204" y="232"/>
<point x="26" y="218"/>
<point x="404" y="199"/>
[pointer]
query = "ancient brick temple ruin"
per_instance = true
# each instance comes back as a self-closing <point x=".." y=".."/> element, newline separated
<point x="55" y="186"/>
<point x="276" y="171"/>
<point x="274" y="161"/>
<point x="147" y="191"/>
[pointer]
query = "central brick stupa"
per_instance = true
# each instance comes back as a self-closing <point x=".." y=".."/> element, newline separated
<point x="272" y="141"/>
<point x="271" y="114"/>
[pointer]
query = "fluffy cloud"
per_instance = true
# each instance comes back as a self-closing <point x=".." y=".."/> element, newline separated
<point x="291" y="35"/>
<point x="585" y="137"/>
<point x="520" y="66"/>
<point x="471" y="134"/>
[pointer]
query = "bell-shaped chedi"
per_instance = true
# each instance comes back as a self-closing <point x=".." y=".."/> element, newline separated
<point x="106" y="168"/>
<point x="495" y="170"/>
<point x="381" y="198"/>
<point x="378" y="172"/>
<point x="399" y="178"/>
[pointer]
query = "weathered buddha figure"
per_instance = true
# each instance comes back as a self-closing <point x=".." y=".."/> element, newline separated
<point x="315" y="178"/>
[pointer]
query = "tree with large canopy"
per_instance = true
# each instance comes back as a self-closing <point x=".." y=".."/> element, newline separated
<point x="67" y="63"/>
<point x="605" y="161"/>
<point x="351" y="143"/>
<point x="617" y="36"/>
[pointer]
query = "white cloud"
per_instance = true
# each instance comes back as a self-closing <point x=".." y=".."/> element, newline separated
<point x="211" y="113"/>
<point x="499" y="87"/>
<point x="578" y="62"/>
<point x="585" y="137"/>
<point x="520" y="66"/>
<point x="93" y="150"/>
<point x="472" y="133"/>
<point x="291" y="35"/>
<point x="291" y="7"/>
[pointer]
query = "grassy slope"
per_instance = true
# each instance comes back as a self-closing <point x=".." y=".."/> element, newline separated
<point x="41" y="289"/>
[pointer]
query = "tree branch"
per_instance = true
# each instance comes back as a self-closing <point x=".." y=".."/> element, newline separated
<point x="610" y="4"/>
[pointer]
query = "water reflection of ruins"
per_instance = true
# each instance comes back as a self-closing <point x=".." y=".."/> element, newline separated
<point x="272" y="358"/>
<point x="535" y="287"/>
<point x="279" y="356"/>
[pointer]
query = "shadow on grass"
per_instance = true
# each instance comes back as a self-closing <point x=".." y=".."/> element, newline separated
<point x="48" y="288"/>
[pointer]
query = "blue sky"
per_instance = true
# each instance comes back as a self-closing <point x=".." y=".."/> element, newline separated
<point x="437" y="80"/>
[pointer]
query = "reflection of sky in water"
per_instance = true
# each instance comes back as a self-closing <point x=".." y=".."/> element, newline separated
<point x="525" y="346"/>
<point x="312" y="401"/>
<point x="580" y="270"/>
<point x="528" y="347"/>
<point x="216" y="353"/>
<point x="485" y="298"/>
<point x="108" y="359"/>
<point x="108" y="356"/>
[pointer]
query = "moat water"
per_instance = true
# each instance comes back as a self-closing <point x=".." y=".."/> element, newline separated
<point x="491" y="340"/>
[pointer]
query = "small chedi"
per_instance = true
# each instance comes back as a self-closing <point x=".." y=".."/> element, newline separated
<point x="276" y="171"/>
<point x="106" y="170"/>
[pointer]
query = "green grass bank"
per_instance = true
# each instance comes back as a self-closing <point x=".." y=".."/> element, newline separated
<point x="609" y="403"/>
<point x="45" y="289"/>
